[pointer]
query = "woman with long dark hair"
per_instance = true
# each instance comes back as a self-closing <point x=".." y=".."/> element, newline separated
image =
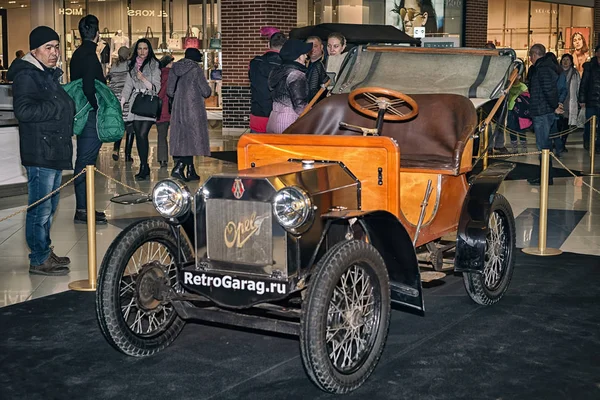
<point x="416" y="13"/>
<point x="143" y="76"/>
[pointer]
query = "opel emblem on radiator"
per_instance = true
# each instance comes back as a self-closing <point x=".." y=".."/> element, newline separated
<point x="238" y="188"/>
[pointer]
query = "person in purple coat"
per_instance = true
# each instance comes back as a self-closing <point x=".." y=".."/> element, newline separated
<point x="189" y="122"/>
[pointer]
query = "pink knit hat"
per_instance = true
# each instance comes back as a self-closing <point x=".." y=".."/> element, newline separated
<point x="268" y="31"/>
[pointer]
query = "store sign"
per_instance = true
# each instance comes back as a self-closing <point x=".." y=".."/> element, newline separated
<point x="146" y="13"/>
<point x="70" y="11"/>
<point x="544" y="11"/>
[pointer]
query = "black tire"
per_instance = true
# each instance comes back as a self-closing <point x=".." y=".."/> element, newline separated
<point x="488" y="287"/>
<point x="114" y="286"/>
<point x="318" y="316"/>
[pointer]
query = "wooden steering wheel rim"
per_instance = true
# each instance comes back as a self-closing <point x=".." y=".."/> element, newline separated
<point x="387" y="92"/>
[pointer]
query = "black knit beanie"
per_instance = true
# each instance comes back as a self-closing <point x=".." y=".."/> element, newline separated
<point x="41" y="35"/>
<point x="193" y="54"/>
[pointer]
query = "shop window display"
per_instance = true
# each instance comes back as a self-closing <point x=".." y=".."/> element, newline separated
<point x="440" y="18"/>
<point x="561" y="28"/>
<point x="169" y="25"/>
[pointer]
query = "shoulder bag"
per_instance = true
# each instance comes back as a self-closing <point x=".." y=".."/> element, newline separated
<point x="147" y="104"/>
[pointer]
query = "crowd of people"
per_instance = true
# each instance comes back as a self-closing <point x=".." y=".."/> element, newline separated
<point x="553" y="97"/>
<point x="46" y="114"/>
<point x="288" y="76"/>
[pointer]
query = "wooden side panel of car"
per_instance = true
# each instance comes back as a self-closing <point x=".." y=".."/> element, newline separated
<point x="363" y="156"/>
<point x="453" y="192"/>
<point x="413" y="186"/>
<point x="466" y="162"/>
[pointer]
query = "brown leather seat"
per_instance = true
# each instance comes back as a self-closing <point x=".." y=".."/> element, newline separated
<point x="435" y="139"/>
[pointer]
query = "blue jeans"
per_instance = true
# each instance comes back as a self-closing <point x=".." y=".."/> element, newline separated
<point x="40" y="182"/>
<point x="88" y="146"/>
<point x="543" y="125"/>
<point x="589" y="111"/>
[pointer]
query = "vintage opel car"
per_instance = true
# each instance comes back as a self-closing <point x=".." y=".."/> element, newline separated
<point x="317" y="234"/>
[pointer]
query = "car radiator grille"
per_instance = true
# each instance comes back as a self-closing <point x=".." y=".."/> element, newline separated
<point x="239" y="231"/>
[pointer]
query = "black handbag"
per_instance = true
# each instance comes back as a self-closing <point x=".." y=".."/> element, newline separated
<point x="147" y="105"/>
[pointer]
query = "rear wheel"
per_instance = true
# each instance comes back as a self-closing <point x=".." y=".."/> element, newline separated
<point x="345" y="317"/>
<point x="138" y="265"/>
<point x="488" y="287"/>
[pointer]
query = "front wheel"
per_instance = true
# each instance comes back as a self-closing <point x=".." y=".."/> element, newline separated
<point x="345" y="317"/>
<point x="488" y="287"/>
<point x="132" y="316"/>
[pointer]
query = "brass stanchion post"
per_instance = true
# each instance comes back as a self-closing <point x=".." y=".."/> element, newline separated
<point x="542" y="250"/>
<point x="486" y="139"/>
<point x="89" y="285"/>
<point x="593" y="132"/>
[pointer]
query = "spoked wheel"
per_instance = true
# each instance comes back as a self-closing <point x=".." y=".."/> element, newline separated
<point x="488" y="287"/>
<point x="135" y="276"/>
<point x="345" y="317"/>
<point x="397" y="105"/>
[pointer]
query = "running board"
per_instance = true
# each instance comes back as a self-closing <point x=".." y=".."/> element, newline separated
<point x="219" y="315"/>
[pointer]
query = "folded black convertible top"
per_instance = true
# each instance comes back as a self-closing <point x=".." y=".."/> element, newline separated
<point x="356" y="33"/>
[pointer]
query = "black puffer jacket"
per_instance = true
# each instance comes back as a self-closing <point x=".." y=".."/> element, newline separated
<point x="45" y="113"/>
<point x="589" y="88"/>
<point x="543" y="88"/>
<point x="258" y="73"/>
<point x="316" y="76"/>
<point x="289" y="86"/>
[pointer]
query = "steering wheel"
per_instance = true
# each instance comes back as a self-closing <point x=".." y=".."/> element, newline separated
<point x="373" y="99"/>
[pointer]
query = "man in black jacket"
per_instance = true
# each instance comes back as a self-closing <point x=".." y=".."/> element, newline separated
<point x="86" y="66"/>
<point x="45" y="113"/>
<point x="543" y="78"/>
<point x="315" y="74"/>
<point x="258" y="73"/>
<point x="589" y="96"/>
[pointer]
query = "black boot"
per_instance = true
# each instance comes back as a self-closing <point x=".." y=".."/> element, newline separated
<point x="129" y="143"/>
<point x="144" y="173"/>
<point x="178" y="171"/>
<point x="191" y="173"/>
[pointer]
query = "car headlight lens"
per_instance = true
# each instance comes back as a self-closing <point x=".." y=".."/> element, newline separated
<point x="292" y="207"/>
<point x="171" y="198"/>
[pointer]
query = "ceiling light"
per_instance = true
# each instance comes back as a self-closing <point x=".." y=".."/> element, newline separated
<point x="12" y="2"/>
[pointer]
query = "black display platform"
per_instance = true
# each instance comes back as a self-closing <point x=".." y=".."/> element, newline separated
<point x="541" y="341"/>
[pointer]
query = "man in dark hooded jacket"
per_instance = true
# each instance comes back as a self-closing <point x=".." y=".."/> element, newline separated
<point x="543" y="88"/>
<point x="45" y="113"/>
<point x="260" y="67"/>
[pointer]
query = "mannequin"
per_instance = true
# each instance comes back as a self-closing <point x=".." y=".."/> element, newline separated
<point x="118" y="41"/>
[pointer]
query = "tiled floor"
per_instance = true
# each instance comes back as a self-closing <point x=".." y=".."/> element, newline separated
<point x="574" y="223"/>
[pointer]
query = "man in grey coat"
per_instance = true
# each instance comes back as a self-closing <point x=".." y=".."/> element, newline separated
<point x="189" y="123"/>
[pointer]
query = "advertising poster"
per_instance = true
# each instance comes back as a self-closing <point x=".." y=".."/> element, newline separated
<point x="408" y="14"/>
<point x="577" y="44"/>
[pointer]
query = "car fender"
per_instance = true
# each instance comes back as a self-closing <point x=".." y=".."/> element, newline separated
<point x="474" y="217"/>
<point x="392" y="241"/>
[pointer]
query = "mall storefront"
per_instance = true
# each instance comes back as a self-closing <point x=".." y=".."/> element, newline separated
<point x="562" y="28"/>
<point x="441" y="19"/>
<point x="169" y="25"/>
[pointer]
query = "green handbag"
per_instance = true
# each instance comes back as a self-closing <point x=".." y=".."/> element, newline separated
<point x="109" y="118"/>
<point x="82" y="106"/>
